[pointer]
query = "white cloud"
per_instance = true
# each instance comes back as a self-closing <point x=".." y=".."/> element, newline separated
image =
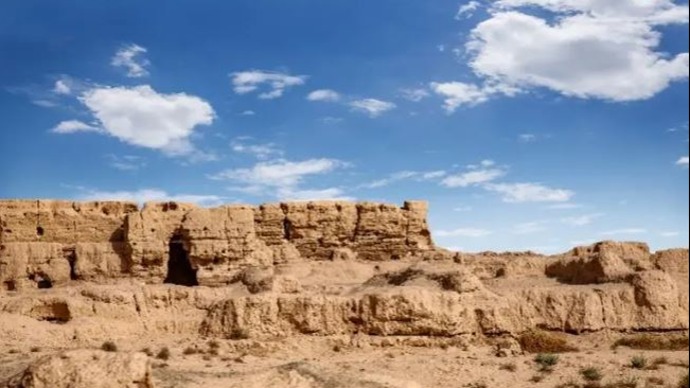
<point x="143" y="117"/>
<point x="260" y="151"/>
<point x="627" y="231"/>
<point x="582" y="220"/>
<point x="464" y="232"/>
<point x="683" y="162"/>
<point x="405" y="175"/>
<point x="125" y="162"/>
<point x="324" y="95"/>
<point x="593" y="48"/>
<point x="564" y="206"/>
<point x="74" y="126"/>
<point x="457" y="94"/>
<point x="527" y="137"/>
<point x="529" y="227"/>
<point x="147" y="195"/>
<point x="372" y="106"/>
<point x="248" y="113"/>
<point x="330" y="194"/>
<point x="414" y="95"/>
<point x="670" y="234"/>
<point x="472" y="178"/>
<point x="467" y="10"/>
<point x="250" y="81"/>
<point x="280" y="173"/>
<point x="131" y="58"/>
<point x="529" y="192"/>
<point x="62" y="87"/>
<point x="463" y="209"/>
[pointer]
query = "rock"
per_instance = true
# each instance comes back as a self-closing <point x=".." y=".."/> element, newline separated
<point x="603" y="262"/>
<point x="673" y="261"/>
<point x="87" y="369"/>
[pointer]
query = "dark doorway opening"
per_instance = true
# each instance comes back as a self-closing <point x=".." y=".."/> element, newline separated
<point x="72" y="260"/>
<point x="180" y="269"/>
<point x="287" y="229"/>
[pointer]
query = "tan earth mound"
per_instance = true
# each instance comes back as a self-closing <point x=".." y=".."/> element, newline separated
<point x="87" y="369"/>
<point x="273" y="278"/>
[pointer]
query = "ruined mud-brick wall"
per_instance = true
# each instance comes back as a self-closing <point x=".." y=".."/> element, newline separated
<point x="46" y="243"/>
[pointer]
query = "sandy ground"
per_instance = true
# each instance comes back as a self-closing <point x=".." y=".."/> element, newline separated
<point x="378" y="362"/>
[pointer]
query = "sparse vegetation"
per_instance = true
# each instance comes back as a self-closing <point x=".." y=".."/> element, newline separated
<point x="213" y="344"/>
<point x="239" y="334"/>
<point x="164" y="354"/>
<point x="546" y="361"/>
<point x="591" y="374"/>
<point x="675" y="342"/>
<point x="539" y="341"/>
<point x="638" y="362"/>
<point x="190" y="350"/>
<point x="35" y="349"/>
<point x="655" y="381"/>
<point x="511" y="367"/>
<point x="109" y="346"/>
<point x="629" y="382"/>
<point x="536" y="378"/>
<point x="147" y="351"/>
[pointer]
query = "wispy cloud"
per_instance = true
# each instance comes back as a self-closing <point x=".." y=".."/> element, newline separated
<point x="245" y="82"/>
<point x="464" y="232"/>
<point x="467" y="10"/>
<point x="372" y="107"/>
<point x="582" y="220"/>
<point x="405" y="175"/>
<point x="324" y="95"/>
<point x="125" y="162"/>
<point x="148" y="195"/>
<point x="625" y="231"/>
<point x="530" y="192"/>
<point x="414" y="95"/>
<point x="74" y="126"/>
<point x="131" y="57"/>
<point x="683" y="162"/>
<point x="259" y="151"/>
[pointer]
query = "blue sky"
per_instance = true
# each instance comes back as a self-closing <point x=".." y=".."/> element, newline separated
<point x="527" y="124"/>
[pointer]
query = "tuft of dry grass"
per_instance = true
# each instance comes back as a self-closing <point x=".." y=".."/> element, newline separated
<point x="511" y="367"/>
<point x="673" y="342"/>
<point x="109" y="346"/>
<point x="638" y="362"/>
<point x="539" y="341"/>
<point x="591" y="374"/>
<point x="164" y="354"/>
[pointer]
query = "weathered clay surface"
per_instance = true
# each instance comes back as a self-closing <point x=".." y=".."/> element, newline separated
<point x="87" y="369"/>
<point x="80" y="273"/>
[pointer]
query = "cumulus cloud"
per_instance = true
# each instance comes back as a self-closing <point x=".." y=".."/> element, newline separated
<point x="592" y="49"/>
<point x="131" y="57"/>
<point x="683" y="162"/>
<point x="529" y="192"/>
<point x="372" y="106"/>
<point x="324" y="95"/>
<point x="276" y="83"/>
<point x="464" y="232"/>
<point x="147" y="195"/>
<point x="74" y="126"/>
<point x="143" y="117"/>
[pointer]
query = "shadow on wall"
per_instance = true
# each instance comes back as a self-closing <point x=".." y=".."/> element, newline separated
<point x="180" y="269"/>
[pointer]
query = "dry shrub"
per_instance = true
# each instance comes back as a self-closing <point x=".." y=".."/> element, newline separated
<point x="539" y="341"/>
